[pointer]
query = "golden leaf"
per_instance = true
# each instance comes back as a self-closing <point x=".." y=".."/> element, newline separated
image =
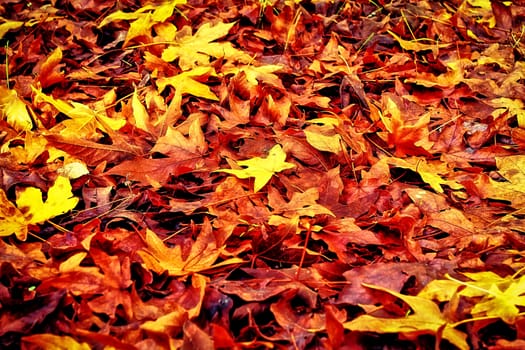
<point x="196" y="50"/>
<point x="262" y="169"/>
<point x="11" y="219"/>
<point x="14" y="110"/>
<point x="59" y="201"/>
<point x="426" y="318"/>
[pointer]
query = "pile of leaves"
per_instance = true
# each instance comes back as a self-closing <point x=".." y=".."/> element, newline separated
<point x="262" y="174"/>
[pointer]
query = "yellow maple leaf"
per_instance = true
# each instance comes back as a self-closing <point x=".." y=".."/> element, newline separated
<point x="143" y="19"/>
<point x="59" y="200"/>
<point x="262" y="169"/>
<point x="11" y="219"/>
<point x="515" y="107"/>
<point x="511" y="168"/>
<point x="429" y="172"/>
<point x="254" y="74"/>
<point x="84" y="122"/>
<point x="186" y="83"/>
<point x="426" y="317"/>
<point x="14" y="110"/>
<point x="196" y="50"/>
<point x="322" y="135"/>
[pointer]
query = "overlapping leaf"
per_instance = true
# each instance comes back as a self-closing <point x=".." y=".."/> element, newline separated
<point x="262" y="169"/>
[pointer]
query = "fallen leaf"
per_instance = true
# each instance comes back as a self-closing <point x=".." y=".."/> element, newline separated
<point x="187" y="83"/>
<point x="14" y="110"/>
<point x="262" y="169"/>
<point x="195" y="50"/>
<point x="429" y="172"/>
<point x="425" y="318"/>
<point x="202" y="256"/>
<point x="418" y="44"/>
<point x="50" y="73"/>
<point x="11" y="219"/>
<point x="59" y="200"/>
<point x="51" y="341"/>
<point x="143" y="19"/>
<point x="512" y="168"/>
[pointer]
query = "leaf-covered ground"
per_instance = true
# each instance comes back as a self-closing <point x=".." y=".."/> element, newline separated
<point x="262" y="174"/>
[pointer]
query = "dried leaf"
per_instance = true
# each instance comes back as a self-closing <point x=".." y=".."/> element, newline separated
<point x="50" y="71"/>
<point x="14" y="110"/>
<point x="262" y="169"/>
<point x="511" y="168"/>
<point x="426" y="318"/>
<point x="11" y="219"/>
<point x="59" y="200"/>
<point x="51" y="341"/>
<point x="195" y="50"/>
<point x="418" y="45"/>
<point x="186" y="83"/>
<point x="203" y="254"/>
<point x="428" y="172"/>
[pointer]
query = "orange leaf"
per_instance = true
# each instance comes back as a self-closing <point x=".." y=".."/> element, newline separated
<point x="50" y="71"/>
<point x="203" y="254"/>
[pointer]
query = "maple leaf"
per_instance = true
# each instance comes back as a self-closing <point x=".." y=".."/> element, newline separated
<point x="32" y="210"/>
<point x="511" y="168"/>
<point x="408" y="138"/>
<point x="262" y="169"/>
<point x="14" y="110"/>
<point x="50" y="70"/>
<point x="500" y="296"/>
<point x="174" y="141"/>
<point x="514" y="106"/>
<point x="186" y="83"/>
<point x="195" y="50"/>
<point x="8" y="25"/>
<point x="428" y="172"/>
<point x="301" y="204"/>
<point x="254" y="74"/>
<point x="59" y="200"/>
<point x="11" y="219"/>
<point x="426" y="318"/>
<point x="143" y="19"/>
<point x="202" y="256"/>
<point x="84" y="121"/>
<point x="323" y="137"/>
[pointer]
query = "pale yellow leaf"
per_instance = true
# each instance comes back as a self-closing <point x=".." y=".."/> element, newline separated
<point x="84" y="121"/>
<point x="256" y="74"/>
<point x="512" y="168"/>
<point x="73" y="170"/>
<point x="515" y="108"/>
<point x="325" y="143"/>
